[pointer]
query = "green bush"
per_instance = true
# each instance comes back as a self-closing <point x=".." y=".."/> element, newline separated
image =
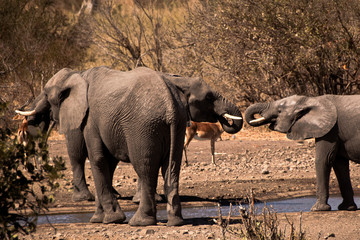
<point x="24" y="188"/>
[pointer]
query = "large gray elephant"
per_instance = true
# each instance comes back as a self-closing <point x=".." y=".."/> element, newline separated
<point x="334" y="122"/>
<point x="138" y="117"/>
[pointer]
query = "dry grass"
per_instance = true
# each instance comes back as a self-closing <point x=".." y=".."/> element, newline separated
<point x="257" y="226"/>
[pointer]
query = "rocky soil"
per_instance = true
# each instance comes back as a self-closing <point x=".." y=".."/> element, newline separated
<point x="264" y="163"/>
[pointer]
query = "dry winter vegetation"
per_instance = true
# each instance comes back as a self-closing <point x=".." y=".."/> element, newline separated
<point x="248" y="50"/>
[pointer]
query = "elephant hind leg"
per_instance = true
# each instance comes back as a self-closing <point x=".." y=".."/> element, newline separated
<point x="146" y="213"/>
<point x="171" y="189"/>
<point x="108" y="209"/>
<point x="171" y="172"/>
<point x="136" y="198"/>
<point x="342" y="171"/>
<point x="99" y="215"/>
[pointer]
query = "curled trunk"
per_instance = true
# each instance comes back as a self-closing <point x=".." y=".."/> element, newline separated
<point x="236" y="122"/>
<point x="254" y="109"/>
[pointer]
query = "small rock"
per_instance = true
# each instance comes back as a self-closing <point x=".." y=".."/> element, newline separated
<point x="329" y="236"/>
<point x="150" y="231"/>
<point x="185" y="232"/>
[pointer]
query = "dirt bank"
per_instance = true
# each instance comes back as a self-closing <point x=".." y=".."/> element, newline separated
<point x="268" y="164"/>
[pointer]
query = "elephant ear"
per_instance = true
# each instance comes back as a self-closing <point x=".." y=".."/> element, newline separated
<point x="319" y="117"/>
<point x="74" y="105"/>
<point x="67" y="93"/>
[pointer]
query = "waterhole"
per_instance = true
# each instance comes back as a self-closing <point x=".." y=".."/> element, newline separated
<point x="288" y="205"/>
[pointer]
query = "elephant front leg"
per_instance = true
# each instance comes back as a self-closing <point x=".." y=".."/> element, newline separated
<point x="77" y="153"/>
<point x="325" y="153"/>
<point x="81" y="190"/>
<point x="342" y="171"/>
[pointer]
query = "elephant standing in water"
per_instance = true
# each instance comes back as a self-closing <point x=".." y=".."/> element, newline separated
<point x="138" y="117"/>
<point x="334" y="122"/>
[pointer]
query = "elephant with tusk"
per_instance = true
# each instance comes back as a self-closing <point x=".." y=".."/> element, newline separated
<point x="334" y="122"/>
<point x="137" y="116"/>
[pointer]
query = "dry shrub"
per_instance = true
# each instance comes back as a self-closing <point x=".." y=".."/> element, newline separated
<point x="257" y="226"/>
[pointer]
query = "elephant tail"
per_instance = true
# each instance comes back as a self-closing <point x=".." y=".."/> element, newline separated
<point x="172" y="160"/>
<point x="174" y="164"/>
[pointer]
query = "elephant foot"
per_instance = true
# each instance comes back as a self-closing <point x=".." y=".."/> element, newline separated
<point x="97" y="217"/>
<point x="175" y="221"/>
<point x="136" y="198"/>
<point x="321" y="207"/>
<point x="84" y="195"/>
<point x="347" y="206"/>
<point x="114" y="217"/>
<point x="138" y="220"/>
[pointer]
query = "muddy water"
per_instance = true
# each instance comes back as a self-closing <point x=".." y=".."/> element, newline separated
<point x="289" y="205"/>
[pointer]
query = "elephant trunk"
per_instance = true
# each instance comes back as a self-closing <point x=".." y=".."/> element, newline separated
<point x="257" y="108"/>
<point x="38" y="118"/>
<point x="236" y="123"/>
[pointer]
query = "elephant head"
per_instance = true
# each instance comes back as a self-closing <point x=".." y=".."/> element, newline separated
<point x="35" y="123"/>
<point x="300" y="117"/>
<point x="206" y="105"/>
<point x="64" y="100"/>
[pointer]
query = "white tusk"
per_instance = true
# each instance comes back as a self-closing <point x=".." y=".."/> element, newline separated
<point x="257" y="120"/>
<point x="232" y="117"/>
<point x="27" y="113"/>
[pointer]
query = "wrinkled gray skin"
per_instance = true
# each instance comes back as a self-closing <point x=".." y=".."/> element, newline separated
<point x="139" y="117"/>
<point x="334" y="122"/>
<point x="39" y="124"/>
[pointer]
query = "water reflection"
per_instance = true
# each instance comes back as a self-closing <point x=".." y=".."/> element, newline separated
<point x="289" y="205"/>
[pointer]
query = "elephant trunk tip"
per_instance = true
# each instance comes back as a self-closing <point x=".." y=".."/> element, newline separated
<point x="230" y="123"/>
<point x="251" y="114"/>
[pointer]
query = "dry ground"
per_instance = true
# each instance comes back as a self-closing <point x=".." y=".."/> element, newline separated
<point x="265" y="163"/>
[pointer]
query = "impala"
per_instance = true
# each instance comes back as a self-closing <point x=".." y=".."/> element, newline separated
<point x="203" y="130"/>
<point x="22" y="133"/>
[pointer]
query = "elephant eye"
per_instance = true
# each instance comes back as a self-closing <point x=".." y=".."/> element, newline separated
<point x="281" y="107"/>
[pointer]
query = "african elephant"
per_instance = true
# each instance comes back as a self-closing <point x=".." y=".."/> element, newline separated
<point x="334" y="122"/>
<point x="138" y="117"/>
<point x="39" y="124"/>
